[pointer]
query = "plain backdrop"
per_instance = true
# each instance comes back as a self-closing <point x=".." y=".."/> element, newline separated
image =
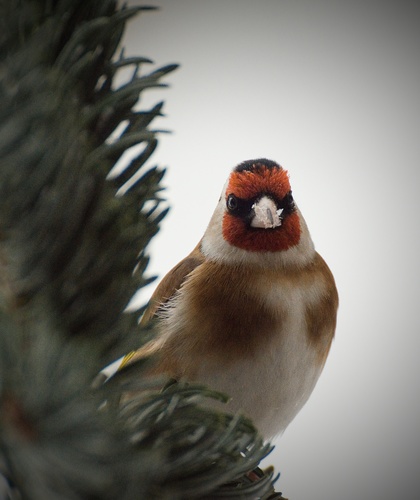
<point x="330" y="90"/>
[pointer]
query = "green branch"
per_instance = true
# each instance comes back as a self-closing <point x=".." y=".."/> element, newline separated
<point x="72" y="254"/>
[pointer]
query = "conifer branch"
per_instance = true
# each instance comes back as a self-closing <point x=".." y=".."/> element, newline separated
<point x="72" y="254"/>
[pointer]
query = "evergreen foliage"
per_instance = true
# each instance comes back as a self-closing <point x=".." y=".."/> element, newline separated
<point x="72" y="254"/>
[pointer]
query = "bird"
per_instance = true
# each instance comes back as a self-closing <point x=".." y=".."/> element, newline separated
<point x="252" y="310"/>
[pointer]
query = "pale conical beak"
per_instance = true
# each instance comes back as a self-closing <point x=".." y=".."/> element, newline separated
<point x="267" y="215"/>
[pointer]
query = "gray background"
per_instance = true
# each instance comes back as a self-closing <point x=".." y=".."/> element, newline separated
<point x="329" y="89"/>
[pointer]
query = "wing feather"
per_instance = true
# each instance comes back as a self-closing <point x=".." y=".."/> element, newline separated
<point x="164" y="291"/>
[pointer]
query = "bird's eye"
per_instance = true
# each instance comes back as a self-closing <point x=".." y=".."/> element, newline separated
<point x="232" y="202"/>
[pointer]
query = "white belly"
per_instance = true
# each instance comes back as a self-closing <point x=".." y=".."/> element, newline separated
<point x="273" y="386"/>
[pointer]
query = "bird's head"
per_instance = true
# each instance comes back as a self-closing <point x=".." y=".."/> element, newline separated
<point x="257" y="220"/>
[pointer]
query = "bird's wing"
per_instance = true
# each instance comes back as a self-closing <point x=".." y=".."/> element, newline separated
<point x="165" y="290"/>
<point x="172" y="282"/>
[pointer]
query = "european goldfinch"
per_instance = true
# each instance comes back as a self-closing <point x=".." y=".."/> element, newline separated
<point x="251" y="311"/>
